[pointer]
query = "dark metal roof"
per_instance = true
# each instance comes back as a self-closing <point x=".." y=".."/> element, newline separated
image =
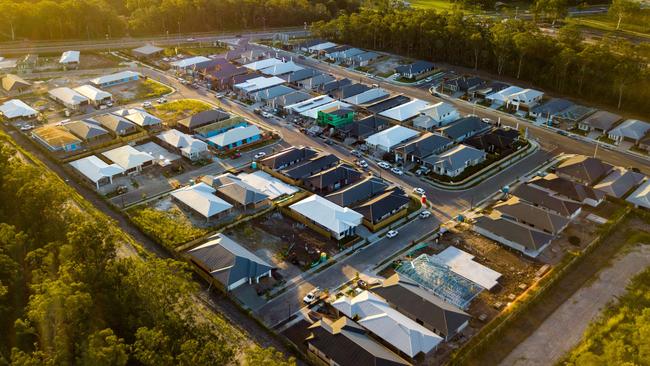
<point x="204" y="118"/>
<point x="378" y="207"/>
<point x="527" y="237"/>
<point x="464" y="126"/>
<point x="365" y="127"/>
<point x="541" y="198"/>
<point x="311" y="166"/>
<point x="358" y="192"/>
<point x="584" y="169"/>
<point x="388" y="104"/>
<point x="425" y="145"/>
<point x="415" y="68"/>
<point x="331" y="176"/>
<point x="285" y="157"/>
<point x="350" y="90"/>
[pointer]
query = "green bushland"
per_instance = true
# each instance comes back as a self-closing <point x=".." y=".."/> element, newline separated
<point x="169" y="228"/>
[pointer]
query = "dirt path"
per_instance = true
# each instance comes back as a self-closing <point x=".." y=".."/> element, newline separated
<point x="563" y="329"/>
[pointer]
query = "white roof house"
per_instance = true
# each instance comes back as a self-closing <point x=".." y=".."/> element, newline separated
<point x="321" y="46"/>
<point x="139" y="116"/>
<point x="267" y="184"/>
<point x="641" y="196"/>
<point x="436" y="115"/>
<point x="396" y="329"/>
<point x="529" y="97"/>
<point x="92" y="93"/>
<point x="341" y="221"/>
<point x="96" y="170"/>
<point x="405" y="111"/>
<point x="281" y="69"/>
<point x="189" y="62"/>
<point x="262" y="82"/>
<point x="200" y="198"/>
<point x="235" y="135"/>
<point x="367" y="96"/>
<point x="16" y="108"/>
<point x="190" y="147"/>
<point x="128" y="158"/>
<point x="69" y="57"/>
<point x="147" y="50"/>
<point x="313" y="113"/>
<point x="462" y="263"/>
<point x="631" y="129"/>
<point x="67" y="96"/>
<point x="387" y="139"/>
<point x="115" y="78"/>
<point x="308" y="104"/>
<point x="502" y="96"/>
<point x="263" y="64"/>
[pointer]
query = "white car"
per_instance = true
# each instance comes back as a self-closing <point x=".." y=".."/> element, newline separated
<point x="266" y="114"/>
<point x="424" y="214"/>
<point x="392" y="234"/>
<point x="419" y="191"/>
<point x="146" y="105"/>
<point x="260" y="155"/>
<point x="486" y="120"/>
<point x="26" y="127"/>
<point x="162" y="100"/>
<point x="311" y="296"/>
<point x="383" y="165"/>
<point x="362" y="163"/>
<point x="397" y="171"/>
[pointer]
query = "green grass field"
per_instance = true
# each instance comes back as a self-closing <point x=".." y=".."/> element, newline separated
<point x="605" y="23"/>
<point x="432" y="4"/>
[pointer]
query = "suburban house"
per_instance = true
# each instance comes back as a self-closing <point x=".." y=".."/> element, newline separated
<point x="359" y="130"/>
<point x="57" y="138"/>
<point x="363" y="59"/>
<point x="287" y="158"/>
<point x="383" y="209"/>
<point x="436" y="115"/>
<point x="296" y="174"/>
<point x="314" y="82"/>
<point x="405" y="111"/>
<point x="391" y="326"/>
<point x="95" y="96"/>
<point x="387" y="104"/>
<point x="187" y="63"/>
<point x="263" y="64"/>
<point x="568" y="189"/>
<point x="343" y="342"/>
<point x="236" y="137"/>
<point x="412" y="71"/>
<point x="200" y="199"/>
<point x="631" y="130"/>
<point x="520" y="237"/>
<point x="601" y="121"/>
<point x="304" y="46"/>
<point x="502" y="141"/>
<point x="267" y="184"/>
<point x="333" y="106"/>
<point x="333" y="54"/>
<point x="454" y="161"/>
<point x="281" y="69"/>
<point x="68" y="97"/>
<point x="525" y="99"/>
<point x="70" y="59"/>
<point x="270" y="93"/>
<point x="574" y="114"/>
<point x="146" y="51"/>
<point x="502" y="97"/>
<point x="464" y="265"/>
<point x="300" y="75"/>
<point x="118" y="78"/>
<point x="96" y="170"/>
<point x="326" y="217"/>
<point x="17" y="109"/>
<point x="88" y="130"/>
<point x="335" y="117"/>
<point x="187" y="145"/>
<point x="546" y="201"/>
<point x="418" y="149"/>
<point x="162" y="157"/>
<point x="320" y="47"/>
<point x="619" y="182"/>
<point x="583" y="169"/>
<point x="222" y="77"/>
<point x="644" y="143"/>
<point x="641" y="196"/>
<point x="229" y="263"/>
<point x="248" y="87"/>
<point x="189" y="124"/>
<point x="282" y="101"/>
<point x="535" y="217"/>
<point x="329" y="88"/>
<point x="236" y="191"/>
<point x="463" y="129"/>
<point x="463" y="84"/>
<point x="386" y="140"/>
<point x="306" y="105"/>
<point x="546" y="112"/>
<point x="15" y="85"/>
<point x="129" y="159"/>
<point x="359" y="191"/>
<point x="332" y="179"/>
<point x="140" y="117"/>
<point x="422" y="306"/>
<point x="350" y="90"/>
<point x="367" y="97"/>
<point x="120" y="126"/>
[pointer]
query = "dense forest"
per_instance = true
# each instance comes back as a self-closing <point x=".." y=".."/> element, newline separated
<point x="92" y="19"/>
<point x="608" y="71"/>
<point x="67" y="298"/>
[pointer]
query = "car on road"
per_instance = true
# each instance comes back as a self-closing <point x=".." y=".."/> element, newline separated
<point x="391" y="234"/>
<point x="397" y="171"/>
<point x="259" y="155"/>
<point x="191" y="39"/>
<point x="383" y="165"/>
<point x="236" y="155"/>
<point x="26" y="127"/>
<point x="355" y="153"/>
<point x="266" y="114"/>
<point x="362" y="163"/>
<point x="424" y="214"/>
<point x="311" y="296"/>
<point x="329" y="141"/>
<point x="419" y="191"/>
<point x="423" y="170"/>
<point x="162" y="100"/>
<point x="563" y="133"/>
<point x="486" y="120"/>
<point x="146" y="105"/>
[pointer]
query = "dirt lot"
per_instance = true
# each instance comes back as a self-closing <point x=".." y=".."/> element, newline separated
<point x="386" y="66"/>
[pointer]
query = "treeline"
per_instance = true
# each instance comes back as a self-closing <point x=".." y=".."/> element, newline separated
<point x="609" y="71"/>
<point x="97" y="19"/>
<point x="66" y="298"/>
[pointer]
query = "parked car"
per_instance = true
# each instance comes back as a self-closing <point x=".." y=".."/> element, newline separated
<point x="311" y="296"/>
<point x="424" y="214"/>
<point x="362" y="163"/>
<point x="26" y="127"/>
<point x="259" y="155"/>
<point x="355" y="153"/>
<point x="486" y="120"/>
<point x="236" y="155"/>
<point x="563" y="133"/>
<point x="419" y="191"/>
<point x="109" y="104"/>
<point x="397" y="171"/>
<point x="162" y="100"/>
<point x="391" y="234"/>
<point x="146" y="105"/>
<point x="266" y="114"/>
<point x="383" y="165"/>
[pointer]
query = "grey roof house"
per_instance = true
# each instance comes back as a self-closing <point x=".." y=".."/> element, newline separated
<point x="363" y="128"/>
<point x="535" y="217"/>
<point x="383" y="206"/>
<point x="517" y="236"/>
<point x="550" y="109"/>
<point x="631" y="130"/>
<point x="332" y="179"/>
<point x="236" y="191"/>
<point x="453" y="162"/>
<point x="88" y="130"/>
<point x="119" y="125"/>
<point x="288" y="157"/>
<point x="201" y="119"/>
<point x="300" y="75"/>
<point x="350" y="90"/>
<point x="583" y="169"/>
<point x="288" y="99"/>
<point x="464" y="128"/>
<point x="315" y="81"/>
<point x="601" y="121"/>
<point x="619" y="182"/>
<point x="568" y="189"/>
<point x="543" y="199"/>
<point x="358" y="192"/>
<point x="387" y="104"/>
<point x="412" y="70"/>
<point x="426" y="145"/>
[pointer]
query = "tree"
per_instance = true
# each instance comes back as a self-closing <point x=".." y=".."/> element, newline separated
<point x="105" y="349"/>
<point x="256" y="356"/>
<point x="621" y="9"/>
<point x="524" y="43"/>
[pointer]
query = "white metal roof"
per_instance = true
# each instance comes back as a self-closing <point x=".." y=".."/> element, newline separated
<point x="234" y="135"/>
<point x="162" y="156"/>
<point x="366" y="96"/>
<point x="17" y="108"/>
<point x="321" y="46"/>
<point x="641" y="196"/>
<point x="263" y="64"/>
<point x="388" y="324"/>
<point x="504" y="94"/>
<point x="526" y="95"/>
<point x="68" y="96"/>
<point x="68" y="57"/>
<point x="259" y="83"/>
<point x="200" y="197"/>
<point x="328" y="214"/>
<point x="463" y="263"/>
<point x="127" y="74"/>
<point x="313" y="113"/>
<point x="631" y="128"/>
<point x="127" y="157"/>
<point x="439" y="111"/>
<point x="95" y="169"/>
<point x="406" y="110"/>
<point x="92" y="93"/>
<point x="391" y="137"/>
<point x="309" y="103"/>
<point x="267" y="184"/>
<point x="139" y="116"/>
<point x="188" y="62"/>
<point x="281" y="68"/>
